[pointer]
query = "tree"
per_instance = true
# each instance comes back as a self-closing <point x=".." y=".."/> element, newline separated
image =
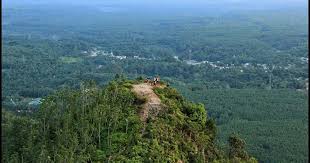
<point x="237" y="147"/>
<point x="211" y="128"/>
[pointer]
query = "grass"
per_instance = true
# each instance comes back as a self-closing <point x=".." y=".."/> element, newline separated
<point x="70" y="59"/>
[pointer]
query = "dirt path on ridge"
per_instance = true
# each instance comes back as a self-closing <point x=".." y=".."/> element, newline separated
<point x="152" y="105"/>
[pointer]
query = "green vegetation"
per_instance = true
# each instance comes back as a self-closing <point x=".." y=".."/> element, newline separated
<point x="274" y="123"/>
<point x="247" y="50"/>
<point x="248" y="67"/>
<point x="70" y="59"/>
<point x="99" y="125"/>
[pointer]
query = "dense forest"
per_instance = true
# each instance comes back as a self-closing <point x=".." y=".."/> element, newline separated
<point x="248" y="67"/>
<point x="272" y="122"/>
<point x="92" y="124"/>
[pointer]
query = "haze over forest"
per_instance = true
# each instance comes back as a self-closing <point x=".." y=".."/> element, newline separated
<point x="234" y="75"/>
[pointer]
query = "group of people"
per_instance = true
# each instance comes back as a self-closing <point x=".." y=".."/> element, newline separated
<point x="154" y="82"/>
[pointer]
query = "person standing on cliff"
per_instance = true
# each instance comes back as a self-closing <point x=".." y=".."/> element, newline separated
<point x="154" y="81"/>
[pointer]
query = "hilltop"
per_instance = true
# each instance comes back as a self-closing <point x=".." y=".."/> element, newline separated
<point x="152" y="101"/>
<point x="126" y="121"/>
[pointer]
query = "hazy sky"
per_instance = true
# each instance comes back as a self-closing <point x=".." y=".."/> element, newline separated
<point x="175" y="2"/>
<point x="170" y="3"/>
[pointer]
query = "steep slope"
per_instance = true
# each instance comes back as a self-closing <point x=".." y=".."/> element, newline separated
<point x="103" y="125"/>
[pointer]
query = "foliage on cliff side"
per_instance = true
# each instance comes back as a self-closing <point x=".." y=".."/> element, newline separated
<point x="102" y="124"/>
